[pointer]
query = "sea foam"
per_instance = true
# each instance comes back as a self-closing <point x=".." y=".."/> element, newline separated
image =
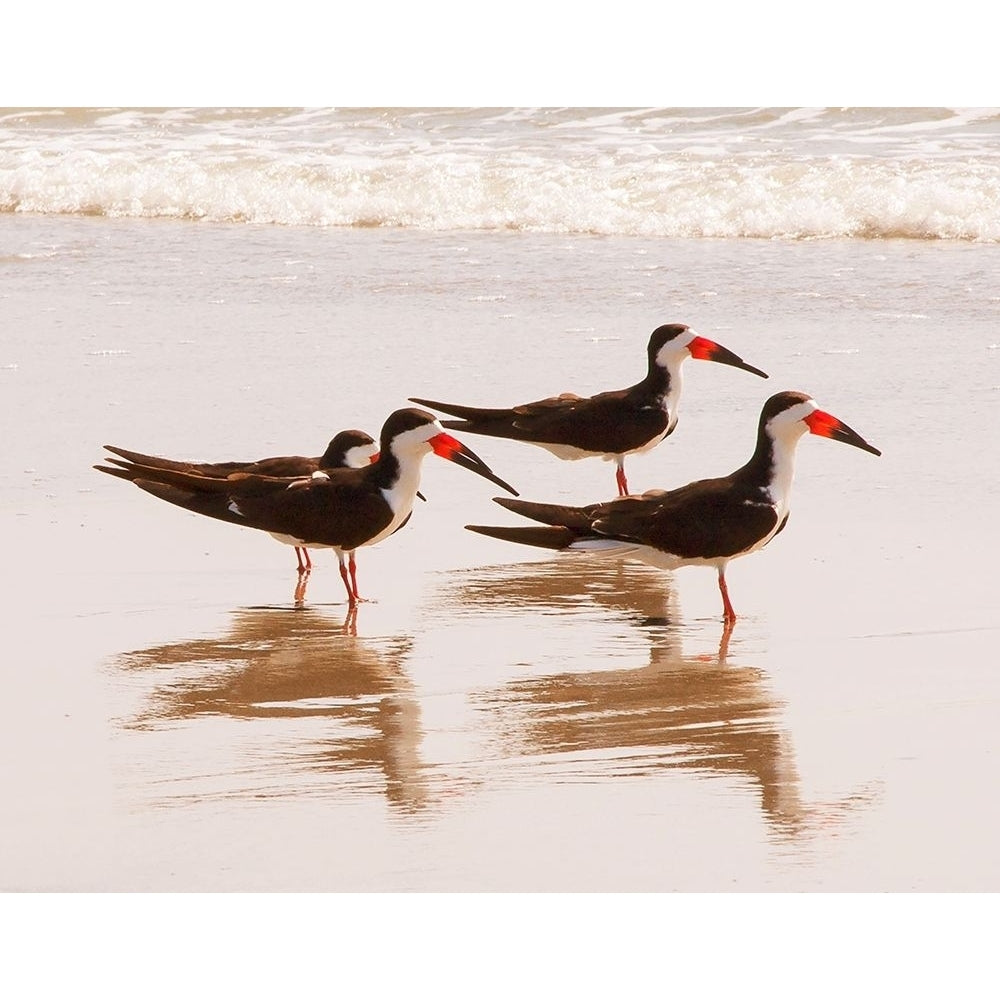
<point x="758" y="173"/>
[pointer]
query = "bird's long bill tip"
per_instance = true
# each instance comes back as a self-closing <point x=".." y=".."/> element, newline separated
<point x="708" y="350"/>
<point x="454" y="451"/>
<point x="827" y="425"/>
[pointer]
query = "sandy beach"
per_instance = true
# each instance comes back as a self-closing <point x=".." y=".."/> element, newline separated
<point x="495" y="718"/>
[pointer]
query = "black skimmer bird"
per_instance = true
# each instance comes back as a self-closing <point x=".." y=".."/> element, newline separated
<point x="610" y="425"/>
<point x="350" y="449"/>
<point x="705" y="523"/>
<point x="341" y="509"/>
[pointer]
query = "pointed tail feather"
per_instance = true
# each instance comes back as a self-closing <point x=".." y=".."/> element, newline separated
<point x="217" y="470"/>
<point x="576" y="518"/>
<point x="473" y="414"/>
<point x="543" y="538"/>
<point x="189" y="481"/>
<point x="215" y="505"/>
<point x="214" y="470"/>
<point x="137" y="458"/>
<point x="154" y="463"/>
<point x="122" y="473"/>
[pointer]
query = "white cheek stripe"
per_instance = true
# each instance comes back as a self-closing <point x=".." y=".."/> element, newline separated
<point x="360" y="455"/>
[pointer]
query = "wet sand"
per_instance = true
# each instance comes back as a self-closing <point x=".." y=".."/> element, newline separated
<point x="495" y="719"/>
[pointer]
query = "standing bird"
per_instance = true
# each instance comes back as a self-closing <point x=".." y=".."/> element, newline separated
<point x="705" y="523"/>
<point x="341" y="509"/>
<point x="609" y="425"/>
<point x="350" y="449"/>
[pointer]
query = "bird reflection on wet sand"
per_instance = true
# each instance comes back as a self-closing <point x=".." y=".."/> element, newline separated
<point x="700" y="713"/>
<point x="281" y="667"/>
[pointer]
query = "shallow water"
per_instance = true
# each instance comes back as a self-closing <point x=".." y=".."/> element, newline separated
<point x="494" y="718"/>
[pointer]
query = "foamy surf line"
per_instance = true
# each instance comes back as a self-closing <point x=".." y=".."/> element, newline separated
<point x="793" y="175"/>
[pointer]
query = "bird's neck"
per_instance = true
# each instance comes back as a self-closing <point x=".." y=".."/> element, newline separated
<point x="398" y="481"/>
<point x="662" y="387"/>
<point x="771" y="469"/>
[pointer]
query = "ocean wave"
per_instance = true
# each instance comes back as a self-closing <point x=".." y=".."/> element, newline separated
<point x="756" y="174"/>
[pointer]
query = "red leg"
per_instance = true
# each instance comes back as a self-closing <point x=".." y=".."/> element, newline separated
<point x="352" y="599"/>
<point x="727" y="607"/>
<point x="353" y="567"/>
<point x="622" y="481"/>
<point x="305" y="564"/>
